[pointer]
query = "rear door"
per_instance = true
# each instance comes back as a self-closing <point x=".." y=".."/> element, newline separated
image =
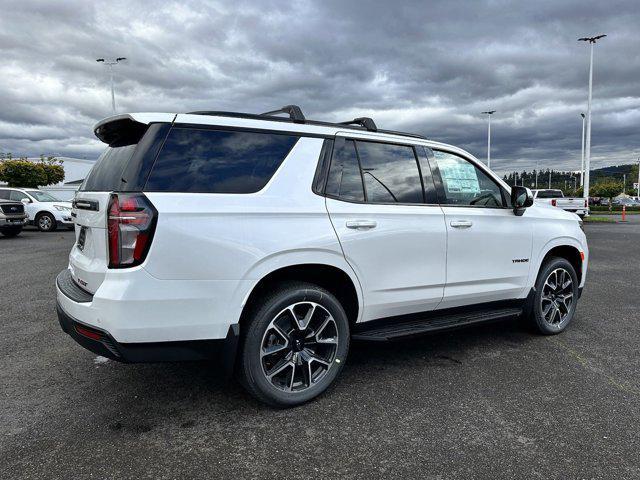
<point x="392" y="236"/>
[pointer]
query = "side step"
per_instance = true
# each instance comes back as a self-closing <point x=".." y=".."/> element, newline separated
<point x="393" y="330"/>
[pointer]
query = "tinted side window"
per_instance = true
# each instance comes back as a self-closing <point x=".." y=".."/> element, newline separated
<point x="4" y="194"/>
<point x="216" y="161"/>
<point x="344" y="180"/>
<point x="466" y="184"/>
<point x="390" y="173"/>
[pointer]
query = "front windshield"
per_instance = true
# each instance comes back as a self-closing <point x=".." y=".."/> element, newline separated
<point x="42" y="196"/>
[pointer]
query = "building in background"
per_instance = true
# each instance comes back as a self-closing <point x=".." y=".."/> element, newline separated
<point x="75" y="171"/>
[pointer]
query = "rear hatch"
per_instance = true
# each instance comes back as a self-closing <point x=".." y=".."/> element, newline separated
<point x="122" y="167"/>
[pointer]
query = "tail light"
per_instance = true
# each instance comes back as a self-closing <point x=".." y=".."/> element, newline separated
<point x="130" y="225"/>
<point x="554" y="202"/>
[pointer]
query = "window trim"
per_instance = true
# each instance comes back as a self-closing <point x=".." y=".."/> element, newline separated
<point x="322" y="169"/>
<point x="435" y="169"/>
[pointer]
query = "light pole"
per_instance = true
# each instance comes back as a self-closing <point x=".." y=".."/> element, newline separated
<point x="638" y="177"/>
<point x="536" y="175"/>
<point x="111" y="63"/>
<point x="549" y="179"/>
<point x="582" y="161"/>
<point x="587" y="159"/>
<point x="489" y="113"/>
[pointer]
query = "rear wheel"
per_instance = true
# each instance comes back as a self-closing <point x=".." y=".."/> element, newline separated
<point x="295" y="345"/>
<point x="46" y="222"/>
<point x="556" y="297"/>
<point x="11" y="231"/>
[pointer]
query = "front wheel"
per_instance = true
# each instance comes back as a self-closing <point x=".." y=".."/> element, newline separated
<point x="46" y="222"/>
<point x="296" y="343"/>
<point x="556" y="297"/>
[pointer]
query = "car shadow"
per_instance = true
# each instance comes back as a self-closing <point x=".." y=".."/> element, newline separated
<point x="160" y="392"/>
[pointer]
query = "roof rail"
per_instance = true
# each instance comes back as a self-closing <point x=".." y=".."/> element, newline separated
<point x="294" y="111"/>
<point x="356" y="124"/>
<point x="365" y="122"/>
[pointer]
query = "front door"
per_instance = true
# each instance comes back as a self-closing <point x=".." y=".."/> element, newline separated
<point x="488" y="247"/>
<point x="393" y="236"/>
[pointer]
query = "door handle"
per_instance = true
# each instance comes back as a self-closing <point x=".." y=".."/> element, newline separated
<point x="361" y="224"/>
<point x="461" y="223"/>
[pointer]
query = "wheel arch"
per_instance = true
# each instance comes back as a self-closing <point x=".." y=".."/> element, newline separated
<point x="563" y="248"/>
<point x="326" y="275"/>
<point x="43" y="211"/>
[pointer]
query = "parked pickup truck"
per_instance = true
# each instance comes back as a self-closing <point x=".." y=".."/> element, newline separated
<point x="556" y="198"/>
<point x="12" y="218"/>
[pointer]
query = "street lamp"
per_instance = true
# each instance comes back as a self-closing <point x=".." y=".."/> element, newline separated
<point x="582" y="161"/>
<point x="489" y="113"/>
<point x="111" y="63"/>
<point x="587" y="159"/>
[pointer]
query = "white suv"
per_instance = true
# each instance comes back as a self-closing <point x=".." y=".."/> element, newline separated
<point x="45" y="211"/>
<point x="268" y="243"/>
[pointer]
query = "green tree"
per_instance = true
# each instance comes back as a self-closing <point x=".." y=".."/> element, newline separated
<point x="23" y="173"/>
<point x="607" y="189"/>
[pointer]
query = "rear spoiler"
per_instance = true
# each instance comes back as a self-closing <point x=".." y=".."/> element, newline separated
<point x="128" y="128"/>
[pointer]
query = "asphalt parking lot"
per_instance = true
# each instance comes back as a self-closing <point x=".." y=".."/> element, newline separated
<point x="487" y="402"/>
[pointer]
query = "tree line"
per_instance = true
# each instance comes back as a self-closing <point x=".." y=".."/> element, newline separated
<point x="603" y="181"/>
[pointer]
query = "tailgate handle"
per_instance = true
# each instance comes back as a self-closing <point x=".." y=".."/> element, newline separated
<point x="86" y="205"/>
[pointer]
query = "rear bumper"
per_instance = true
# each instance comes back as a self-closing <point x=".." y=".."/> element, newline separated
<point x="99" y="340"/>
<point x="102" y="343"/>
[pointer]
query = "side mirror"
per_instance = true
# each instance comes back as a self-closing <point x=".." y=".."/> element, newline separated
<point x="521" y="198"/>
<point x="25" y="201"/>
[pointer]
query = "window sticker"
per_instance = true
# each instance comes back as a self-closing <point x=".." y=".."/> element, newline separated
<point x="458" y="177"/>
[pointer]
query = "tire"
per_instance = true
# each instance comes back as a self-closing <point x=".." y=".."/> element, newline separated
<point x="46" y="222"/>
<point x="11" y="231"/>
<point x="555" y="300"/>
<point x="306" y="355"/>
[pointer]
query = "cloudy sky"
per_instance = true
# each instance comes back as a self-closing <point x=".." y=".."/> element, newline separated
<point x="425" y="67"/>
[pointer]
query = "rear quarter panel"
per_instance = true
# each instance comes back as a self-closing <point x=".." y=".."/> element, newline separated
<point x="241" y="238"/>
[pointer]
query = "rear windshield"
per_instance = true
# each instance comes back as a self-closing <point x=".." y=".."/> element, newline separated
<point x="106" y="174"/>
<point x="550" y="194"/>
<point x="218" y="161"/>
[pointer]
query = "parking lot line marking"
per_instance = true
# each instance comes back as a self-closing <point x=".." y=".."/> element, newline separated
<point x="585" y="363"/>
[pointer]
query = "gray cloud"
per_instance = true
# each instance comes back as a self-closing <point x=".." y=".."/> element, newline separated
<point x="424" y="67"/>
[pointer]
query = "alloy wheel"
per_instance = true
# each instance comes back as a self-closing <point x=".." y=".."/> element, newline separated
<point x="299" y="346"/>
<point x="557" y="297"/>
<point x="44" y="222"/>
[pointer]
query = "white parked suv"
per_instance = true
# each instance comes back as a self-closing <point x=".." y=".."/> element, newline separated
<point x="268" y="243"/>
<point x="45" y="211"/>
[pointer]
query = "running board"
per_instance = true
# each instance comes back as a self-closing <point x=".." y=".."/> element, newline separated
<point x="401" y="329"/>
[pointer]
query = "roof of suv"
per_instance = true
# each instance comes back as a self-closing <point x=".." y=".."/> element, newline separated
<point x="296" y="121"/>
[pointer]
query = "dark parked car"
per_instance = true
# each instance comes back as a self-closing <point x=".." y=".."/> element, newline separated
<point x="12" y="218"/>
